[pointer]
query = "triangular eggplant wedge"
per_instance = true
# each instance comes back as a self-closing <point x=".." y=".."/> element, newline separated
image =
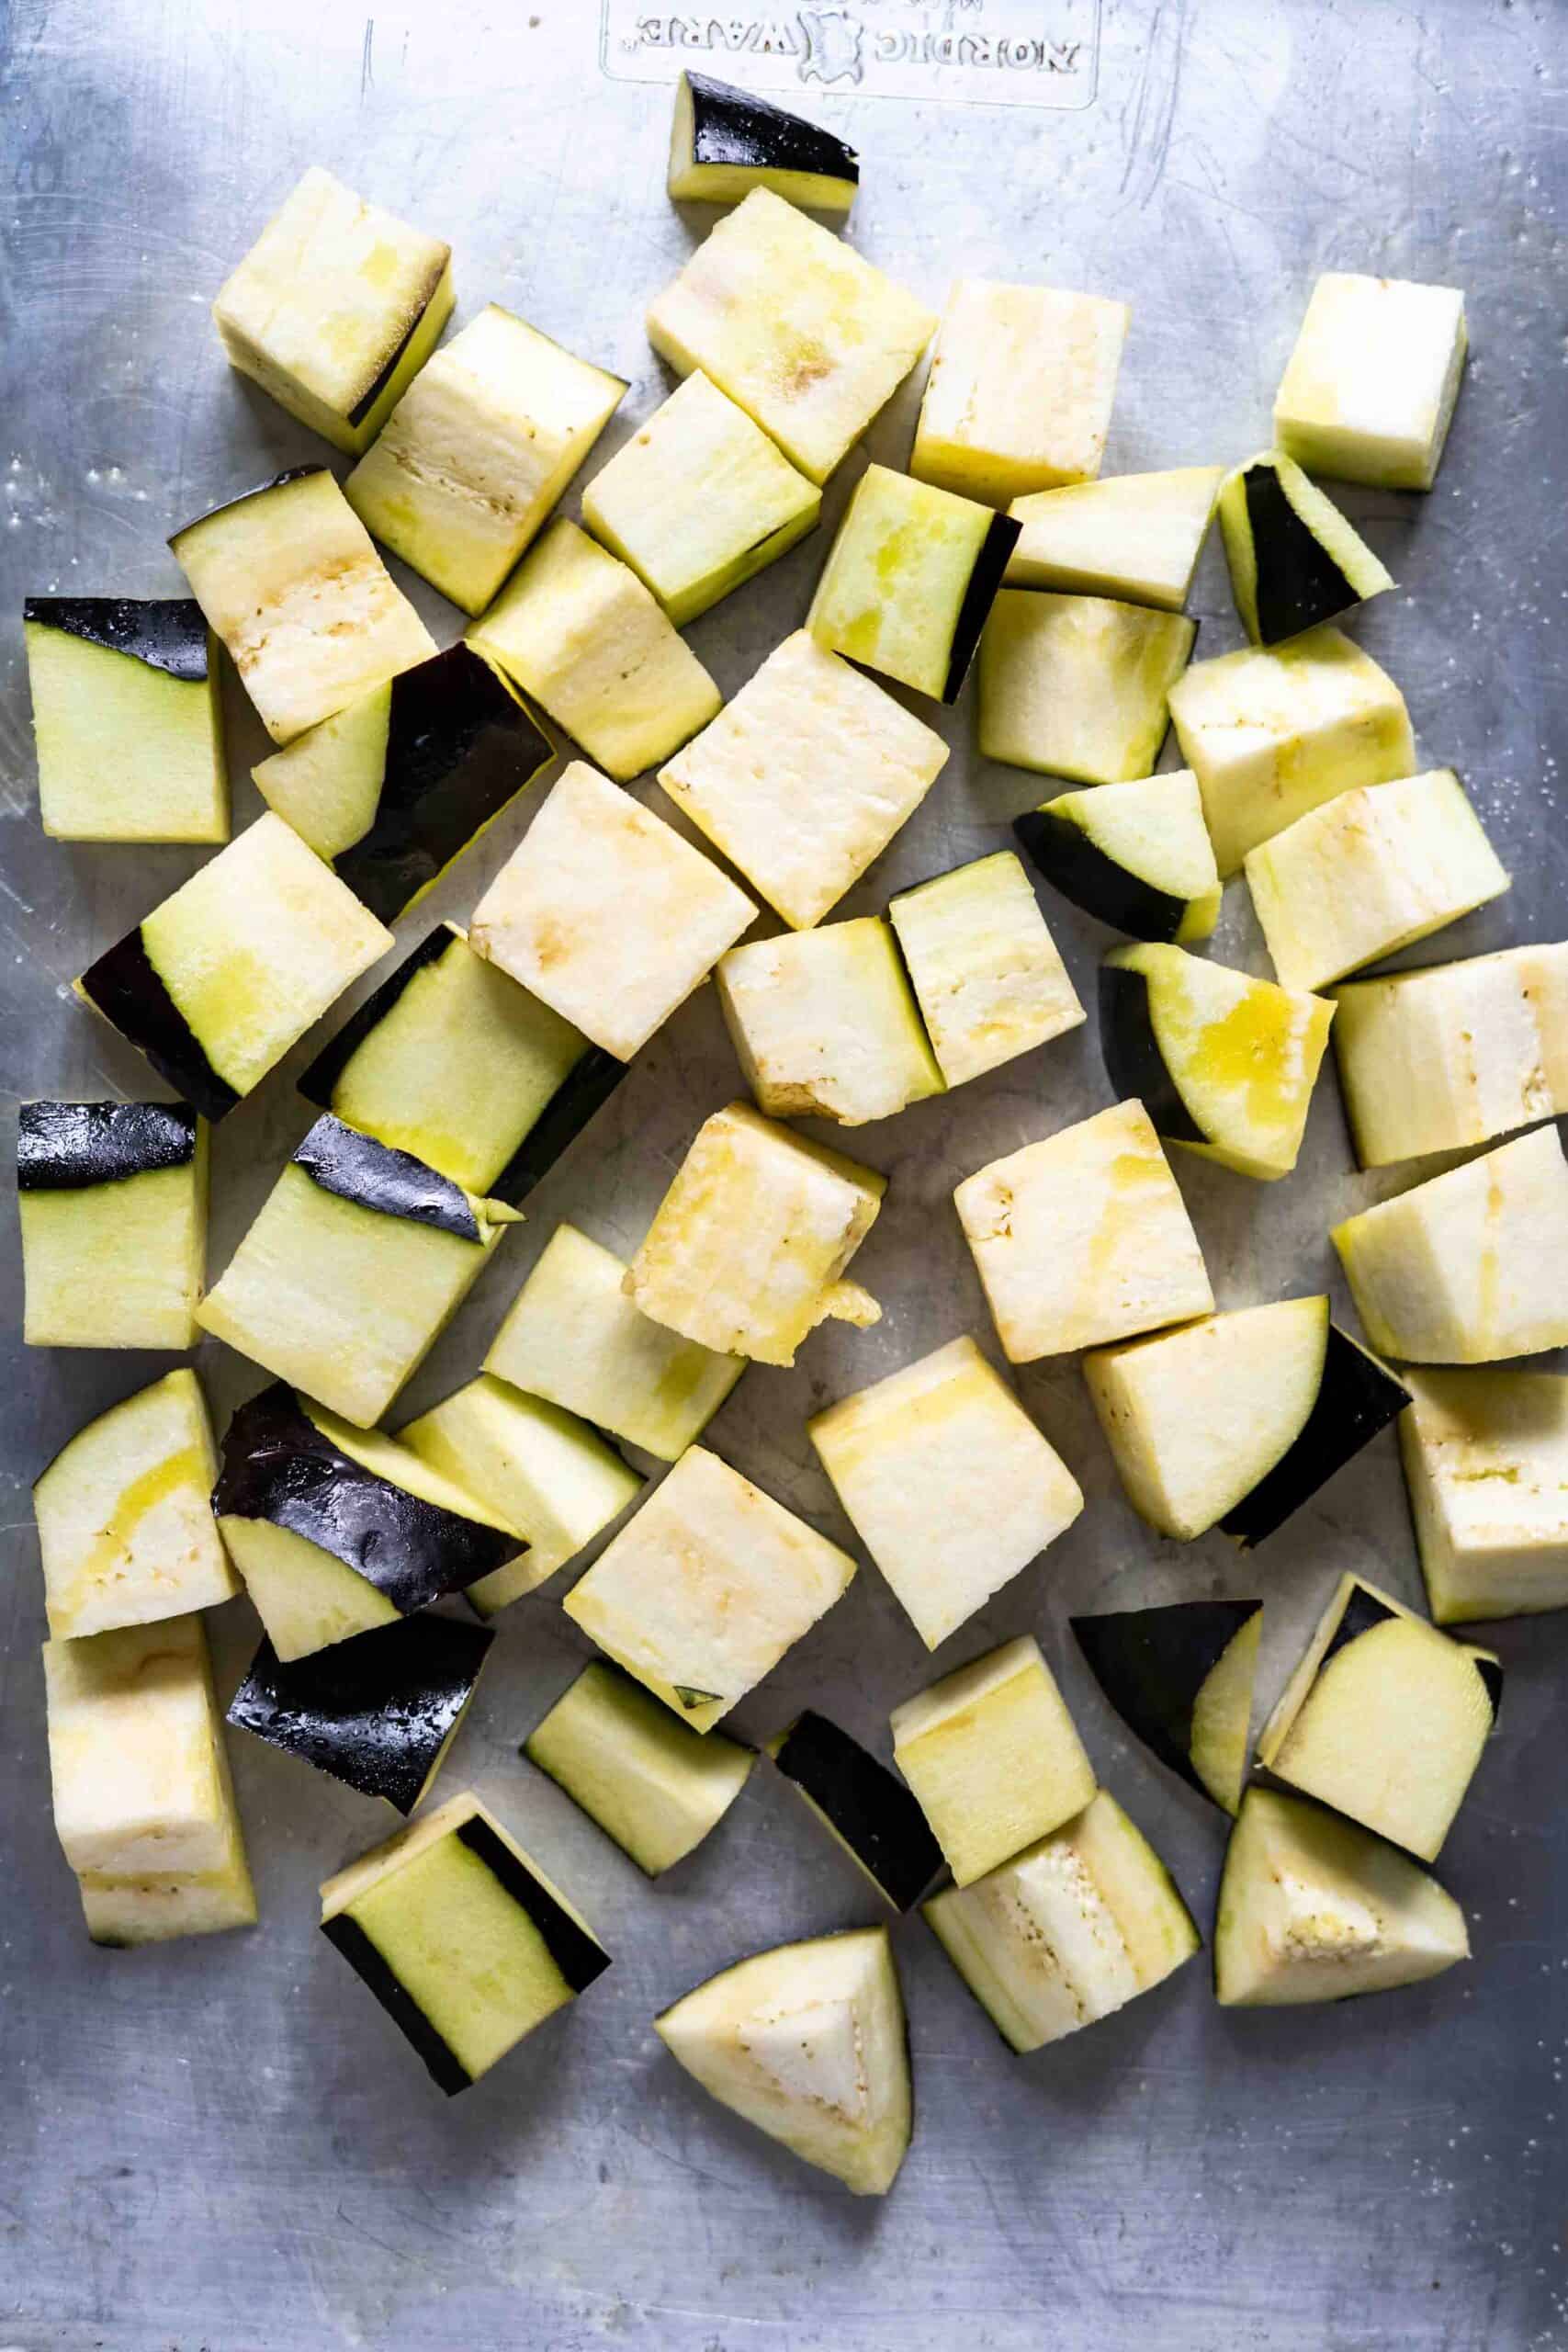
<point x="807" y="2043"/>
<point x="1313" y="1909"/>
<point x="1294" y="560"/>
<point x="725" y="142"/>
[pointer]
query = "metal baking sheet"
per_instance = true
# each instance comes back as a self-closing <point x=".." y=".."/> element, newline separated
<point x="224" y="2145"/>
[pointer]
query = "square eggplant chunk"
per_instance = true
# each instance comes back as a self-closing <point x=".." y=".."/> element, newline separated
<point x="985" y="971"/>
<point x="792" y="324"/>
<point x="1078" y="686"/>
<point x="748" y="1246"/>
<point x="573" y="1337"/>
<point x="217" y="984"/>
<point x="1486" y="1462"/>
<point x="127" y="719"/>
<point x="706" y="1587"/>
<point x="545" y="918"/>
<point x="826" y="1025"/>
<point x="1133" y="536"/>
<point x="357" y="1261"/>
<point x="910" y="579"/>
<point x="948" y="1483"/>
<point x="805" y="777"/>
<point x="112" y="1201"/>
<point x="1020" y="392"/>
<point x="125" y="1518"/>
<point x="699" y="499"/>
<point x="335" y="308"/>
<point x="477" y="451"/>
<point x="1368" y="392"/>
<point x="462" y="1939"/>
<point x="1083" y="1237"/>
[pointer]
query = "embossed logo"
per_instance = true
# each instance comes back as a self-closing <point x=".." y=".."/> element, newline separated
<point x="986" y="52"/>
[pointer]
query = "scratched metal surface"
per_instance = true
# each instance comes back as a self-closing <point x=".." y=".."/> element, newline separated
<point x="223" y="2144"/>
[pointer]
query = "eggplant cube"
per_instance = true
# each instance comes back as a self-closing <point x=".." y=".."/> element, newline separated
<point x="574" y="1336"/>
<point x="1470" y="1266"/>
<point x="216" y="985"/>
<point x="1224" y="1064"/>
<point x="1237" y="1420"/>
<point x="948" y="1483"/>
<point x="826" y="1025"/>
<point x="378" y="1713"/>
<point x="653" y="1784"/>
<point x="794" y="326"/>
<point x="576" y="629"/>
<point x="1133" y="536"/>
<point x="127" y="718"/>
<point x="339" y="1532"/>
<point x="911" y="577"/>
<point x="1078" y="686"/>
<point x="335" y="309"/>
<point x="808" y="2043"/>
<point x="746" y="1252"/>
<point x="1020" y="387"/>
<point x="705" y="1589"/>
<point x="477" y="451"/>
<point x="1385" y="1719"/>
<point x="985" y="968"/>
<point x="994" y="1757"/>
<point x="1180" y="1677"/>
<point x="462" y="1939"/>
<point x="1068" y="1931"/>
<point x="112" y="1201"/>
<point x="1137" y="855"/>
<point x="1486" y="1462"/>
<point x="1453" y="1055"/>
<point x="1313" y="1909"/>
<point x="390" y="790"/>
<point x="1370" y="389"/>
<point x="125" y="1516"/>
<point x="454" y="1062"/>
<point x="1294" y="560"/>
<point x="698" y="500"/>
<point x="805" y="777"/>
<point x="544" y="918"/>
<point x="136" y="1752"/>
<point x="1368" y="872"/>
<point x="357" y="1261"/>
<point x="865" y="1808"/>
<point x="538" y="1468"/>
<point x="1271" y="733"/>
<point x="724" y="142"/>
<point x="311" y="617"/>
<point x="1083" y="1237"/>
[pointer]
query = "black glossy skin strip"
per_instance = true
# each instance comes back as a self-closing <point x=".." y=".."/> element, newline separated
<point x="1298" y="583"/>
<point x="1152" y="1665"/>
<point x="872" y="1812"/>
<point x="277" y="1466"/>
<point x="388" y="1182"/>
<point x="1133" y="1062"/>
<point x="445" y="2070"/>
<point x="459" y="746"/>
<point x="979" y="595"/>
<point x="374" y="1711"/>
<point x="731" y="127"/>
<point x="389" y="368"/>
<point x="1076" y="867"/>
<point x="128" y="992"/>
<point x="320" y="1081"/>
<point x="278" y="481"/>
<point x="580" y="1958"/>
<point x="1491" y="1672"/>
<point x="1363" y="1613"/>
<point x="584" y="1091"/>
<point x="1356" y="1398"/>
<point x="166" y="633"/>
<point x="69" y="1146"/>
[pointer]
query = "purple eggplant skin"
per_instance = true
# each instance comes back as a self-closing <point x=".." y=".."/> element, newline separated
<point x="279" y="1465"/>
<point x="1151" y="1664"/>
<point x="735" y="130"/>
<point x="167" y="633"/>
<point x="73" y="1147"/>
<point x="374" y="1711"/>
<point x="1357" y="1397"/>
<point x="1064" y="855"/>
<point x="873" y="1813"/>
<point x="388" y="1182"/>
